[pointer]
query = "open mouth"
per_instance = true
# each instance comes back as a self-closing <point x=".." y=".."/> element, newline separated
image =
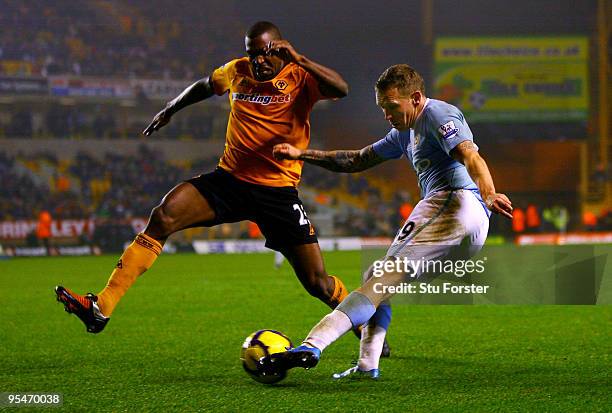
<point x="265" y="74"/>
<point x="264" y="69"/>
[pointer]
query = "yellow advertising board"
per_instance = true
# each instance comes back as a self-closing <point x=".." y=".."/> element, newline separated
<point x="517" y="79"/>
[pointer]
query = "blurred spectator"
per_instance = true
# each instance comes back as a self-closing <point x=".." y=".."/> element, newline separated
<point x="43" y="228"/>
<point x="600" y="175"/>
<point x="405" y="210"/>
<point x="518" y="221"/>
<point x="589" y="220"/>
<point x="62" y="183"/>
<point x="604" y="222"/>
<point x="110" y="235"/>
<point x="20" y="124"/>
<point x="253" y="230"/>
<point x="532" y="218"/>
<point x="558" y="217"/>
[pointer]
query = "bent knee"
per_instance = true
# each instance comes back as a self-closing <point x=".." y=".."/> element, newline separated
<point x="162" y="224"/>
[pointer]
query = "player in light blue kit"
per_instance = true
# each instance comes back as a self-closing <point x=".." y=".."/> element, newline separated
<point x="458" y="198"/>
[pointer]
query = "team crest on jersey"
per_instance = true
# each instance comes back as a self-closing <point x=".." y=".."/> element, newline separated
<point x="448" y="129"/>
<point x="281" y="84"/>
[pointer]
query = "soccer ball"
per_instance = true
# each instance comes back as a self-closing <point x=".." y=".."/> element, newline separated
<point x="260" y="344"/>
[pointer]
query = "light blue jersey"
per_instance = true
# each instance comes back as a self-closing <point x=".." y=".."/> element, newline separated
<point x="438" y="129"/>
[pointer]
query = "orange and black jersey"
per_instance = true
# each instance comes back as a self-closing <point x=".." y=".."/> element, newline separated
<point x="262" y="115"/>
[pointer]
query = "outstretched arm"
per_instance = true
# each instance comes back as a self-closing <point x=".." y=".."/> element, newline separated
<point x="331" y="84"/>
<point x="467" y="154"/>
<point x="337" y="161"/>
<point x="200" y="90"/>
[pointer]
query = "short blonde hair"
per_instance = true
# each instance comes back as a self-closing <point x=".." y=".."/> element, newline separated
<point x="403" y="77"/>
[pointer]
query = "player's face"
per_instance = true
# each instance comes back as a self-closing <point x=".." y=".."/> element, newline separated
<point x="266" y="63"/>
<point x="401" y="111"/>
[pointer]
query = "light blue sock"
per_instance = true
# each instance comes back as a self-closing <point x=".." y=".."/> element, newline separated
<point x="382" y="316"/>
<point x="358" y="308"/>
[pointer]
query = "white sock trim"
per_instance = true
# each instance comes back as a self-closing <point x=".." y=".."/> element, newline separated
<point x="372" y="339"/>
<point x="331" y="327"/>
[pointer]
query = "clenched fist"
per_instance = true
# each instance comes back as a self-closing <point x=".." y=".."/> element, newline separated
<point x="286" y="151"/>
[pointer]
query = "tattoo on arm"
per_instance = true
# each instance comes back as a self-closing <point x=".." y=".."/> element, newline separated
<point x="343" y="161"/>
<point x="460" y="150"/>
<point x="466" y="145"/>
<point x="467" y="153"/>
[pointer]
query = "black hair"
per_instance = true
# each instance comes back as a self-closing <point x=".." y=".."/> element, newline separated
<point x="262" y="27"/>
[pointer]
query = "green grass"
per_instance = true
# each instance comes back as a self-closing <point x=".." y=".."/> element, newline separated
<point x="174" y="342"/>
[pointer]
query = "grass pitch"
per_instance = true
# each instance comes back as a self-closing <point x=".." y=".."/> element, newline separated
<point x="174" y="341"/>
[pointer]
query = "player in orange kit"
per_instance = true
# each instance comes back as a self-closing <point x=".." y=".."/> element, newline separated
<point x="271" y="94"/>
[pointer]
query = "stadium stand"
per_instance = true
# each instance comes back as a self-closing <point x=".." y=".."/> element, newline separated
<point x="84" y="68"/>
<point x="119" y="187"/>
<point x="129" y="38"/>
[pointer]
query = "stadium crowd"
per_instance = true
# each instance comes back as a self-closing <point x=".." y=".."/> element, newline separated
<point x="96" y="121"/>
<point x="125" y="39"/>
<point x="129" y="38"/>
<point x="118" y="187"/>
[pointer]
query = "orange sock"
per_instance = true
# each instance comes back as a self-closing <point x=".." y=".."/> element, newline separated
<point x="340" y="292"/>
<point x="136" y="259"/>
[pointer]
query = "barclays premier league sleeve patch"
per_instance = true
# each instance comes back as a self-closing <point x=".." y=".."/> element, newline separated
<point x="448" y="130"/>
